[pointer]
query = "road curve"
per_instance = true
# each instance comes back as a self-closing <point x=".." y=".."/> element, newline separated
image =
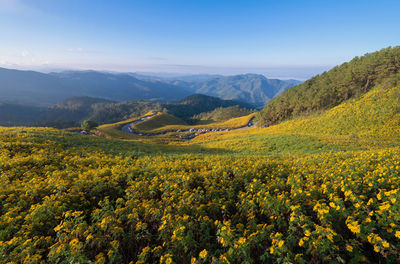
<point x="127" y="129"/>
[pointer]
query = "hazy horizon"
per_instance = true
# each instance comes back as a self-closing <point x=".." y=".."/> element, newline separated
<point x="286" y="40"/>
<point x="294" y="73"/>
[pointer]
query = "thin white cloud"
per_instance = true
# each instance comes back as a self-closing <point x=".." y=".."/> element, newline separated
<point x="77" y="50"/>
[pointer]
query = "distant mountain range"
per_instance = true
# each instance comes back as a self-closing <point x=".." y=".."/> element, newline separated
<point x="255" y="89"/>
<point x="39" y="89"/>
<point x="251" y="88"/>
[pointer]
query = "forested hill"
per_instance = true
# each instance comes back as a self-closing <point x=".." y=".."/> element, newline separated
<point x="324" y="91"/>
<point x="199" y="103"/>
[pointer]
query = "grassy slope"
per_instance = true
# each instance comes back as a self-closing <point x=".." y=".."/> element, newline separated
<point x="150" y="126"/>
<point x="155" y="127"/>
<point x="368" y="122"/>
<point x="374" y="115"/>
<point x="113" y="131"/>
<point x="158" y="121"/>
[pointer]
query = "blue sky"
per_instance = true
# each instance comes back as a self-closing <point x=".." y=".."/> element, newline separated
<point x="286" y="39"/>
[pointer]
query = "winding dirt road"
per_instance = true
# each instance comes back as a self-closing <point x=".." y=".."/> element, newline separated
<point x="127" y="129"/>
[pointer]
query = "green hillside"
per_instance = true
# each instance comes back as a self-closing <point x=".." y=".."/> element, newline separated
<point x="199" y="103"/>
<point x="349" y="80"/>
<point x="158" y="121"/>
<point x="376" y="114"/>
<point x="370" y="121"/>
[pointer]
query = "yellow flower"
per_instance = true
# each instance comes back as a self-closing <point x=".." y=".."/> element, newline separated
<point x="376" y="248"/>
<point x="385" y="244"/>
<point x="203" y="254"/>
<point x="307" y="233"/>
<point x="280" y="243"/>
<point x="241" y="240"/>
<point x="297" y="256"/>
<point x="77" y="213"/>
<point x="301" y="242"/>
<point x="349" y="248"/>
<point x="74" y="241"/>
<point x="397" y="234"/>
<point x="348" y="193"/>
<point x="353" y="226"/>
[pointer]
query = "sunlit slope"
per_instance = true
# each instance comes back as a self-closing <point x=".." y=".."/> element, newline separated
<point x="374" y="115"/>
<point x="369" y="121"/>
<point x="113" y="131"/>
<point x="329" y="89"/>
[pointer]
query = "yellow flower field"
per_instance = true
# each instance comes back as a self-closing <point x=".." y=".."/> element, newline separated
<point x="75" y="199"/>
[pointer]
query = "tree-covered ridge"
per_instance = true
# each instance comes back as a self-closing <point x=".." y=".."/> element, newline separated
<point x="331" y="88"/>
<point x="199" y="103"/>
<point x="223" y="113"/>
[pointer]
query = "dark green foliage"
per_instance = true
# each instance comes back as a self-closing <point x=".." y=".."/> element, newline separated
<point x="15" y="114"/>
<point x="108" y="113"/>
<point x="60" y="124"/>
<point x="198" y="103"/>
<point x="88" y="125"/>
<point x="74" y="109"/>
<point x="331" y="88"/>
